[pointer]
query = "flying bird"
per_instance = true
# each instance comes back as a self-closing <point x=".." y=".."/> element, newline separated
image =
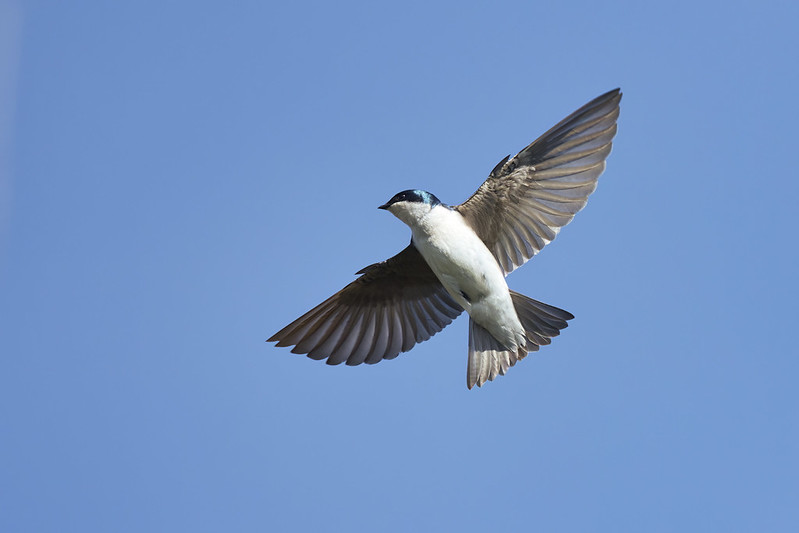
<point x="459" y="256"/>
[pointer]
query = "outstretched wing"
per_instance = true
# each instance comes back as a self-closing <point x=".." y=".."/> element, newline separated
<point x="525" y="201"/>
<point x="392" y="306"/>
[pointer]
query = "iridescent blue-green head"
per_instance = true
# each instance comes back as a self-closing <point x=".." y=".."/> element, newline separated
<point x="413" y="196"/>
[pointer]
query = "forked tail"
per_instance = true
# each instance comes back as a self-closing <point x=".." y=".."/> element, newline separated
<point x="488" y="358"/>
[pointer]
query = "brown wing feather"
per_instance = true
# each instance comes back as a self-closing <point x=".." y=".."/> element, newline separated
<point x="392" y="306"/>
<point x="525" y="201"/>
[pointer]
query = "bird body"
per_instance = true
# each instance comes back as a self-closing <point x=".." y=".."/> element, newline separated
<point x="464" y="265"/>
<point x="459" y="256"/>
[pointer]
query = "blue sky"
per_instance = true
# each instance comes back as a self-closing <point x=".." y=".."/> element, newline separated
<point x="179" y="180"/>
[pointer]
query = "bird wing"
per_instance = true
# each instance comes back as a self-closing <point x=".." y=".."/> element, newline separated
<point x="392" y="306"/>
<point x="526" y="200"/>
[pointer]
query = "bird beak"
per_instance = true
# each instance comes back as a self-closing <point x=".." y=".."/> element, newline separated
<point x="384" y="206"/>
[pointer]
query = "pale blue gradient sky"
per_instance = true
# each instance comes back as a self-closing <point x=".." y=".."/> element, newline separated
<point x="186" y="178"/>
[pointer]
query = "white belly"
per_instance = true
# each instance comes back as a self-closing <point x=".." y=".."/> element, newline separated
<point x="469" y="272"/>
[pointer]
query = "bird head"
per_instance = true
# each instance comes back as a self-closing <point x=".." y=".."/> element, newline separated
<point x="411" y="205"/>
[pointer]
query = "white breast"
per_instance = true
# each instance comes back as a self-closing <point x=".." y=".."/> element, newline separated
<point x="457" y="255"/>
<point x="468" y="271"/>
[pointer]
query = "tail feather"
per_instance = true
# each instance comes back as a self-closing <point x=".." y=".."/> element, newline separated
<point x="488" y="358"/>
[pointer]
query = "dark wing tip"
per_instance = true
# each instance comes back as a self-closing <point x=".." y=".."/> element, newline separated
<point x="609" y="95"/>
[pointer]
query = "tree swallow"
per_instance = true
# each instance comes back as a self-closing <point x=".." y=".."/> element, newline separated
<point x="459" y="256"/>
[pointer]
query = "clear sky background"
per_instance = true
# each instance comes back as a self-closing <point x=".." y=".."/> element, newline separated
<point x="179" y="180"/>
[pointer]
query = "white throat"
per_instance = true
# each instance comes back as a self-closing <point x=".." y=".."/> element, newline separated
<point x="411" y="213"/>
